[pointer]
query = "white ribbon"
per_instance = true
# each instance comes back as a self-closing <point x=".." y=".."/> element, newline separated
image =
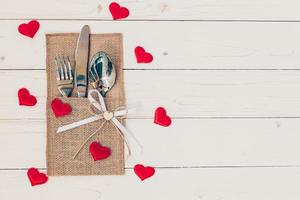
<point x="129" y="138"/>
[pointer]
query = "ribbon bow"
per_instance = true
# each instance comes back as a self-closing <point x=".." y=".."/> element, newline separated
<point x="110" y="116"/>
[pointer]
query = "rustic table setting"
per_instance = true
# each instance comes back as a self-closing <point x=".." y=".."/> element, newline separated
<point x="226" y="73"/>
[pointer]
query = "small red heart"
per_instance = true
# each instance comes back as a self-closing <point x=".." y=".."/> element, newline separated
<point x="117" y="11"/>
<point x="59" y="108"/>
<point x="142" y="56"/>
<point x="25" y="98"/>
<point x="29" y="29"/>
<point x="35" y="177"/>
<point x="143" y="172"/>
<point x="98" y="151"/>
<point x="161" y="117"/>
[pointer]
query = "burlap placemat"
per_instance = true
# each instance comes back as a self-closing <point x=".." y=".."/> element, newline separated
<point x="61" y="147"/>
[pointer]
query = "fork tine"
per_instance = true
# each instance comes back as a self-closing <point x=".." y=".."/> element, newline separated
<point x="65" y="68"/>
<point x="62" y="73"/>
<point x="69" y="68"/>
<point x="58" y="77"/>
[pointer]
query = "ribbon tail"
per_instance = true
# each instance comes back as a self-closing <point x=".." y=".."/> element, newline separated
<point x="79" y="123"/>
<point x="135" y="146"/>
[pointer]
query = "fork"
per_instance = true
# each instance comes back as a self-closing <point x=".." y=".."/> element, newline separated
<point x="64" y="75"/>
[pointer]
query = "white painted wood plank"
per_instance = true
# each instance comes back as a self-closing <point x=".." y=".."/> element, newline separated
<point x="204" y="184"/>
<point x="174" y="45"/>
<point x="154" y="9"/>
<point x="187" y="143"/>
<point x="183" y="93"/>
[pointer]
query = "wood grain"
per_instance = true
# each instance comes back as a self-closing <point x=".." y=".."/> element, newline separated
<point x="185" y="94"/>
<point x="226" y="71"/>
<point x="154" y="9"/>
<point x="206" y="184"/>
<point x="187" y="143"/>
<point x="174" y="45"/>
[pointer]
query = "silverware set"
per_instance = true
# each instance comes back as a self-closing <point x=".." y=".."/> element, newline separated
<point x="100" y="73"/>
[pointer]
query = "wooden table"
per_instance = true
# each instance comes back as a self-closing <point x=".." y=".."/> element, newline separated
<point x="226" y="71"/>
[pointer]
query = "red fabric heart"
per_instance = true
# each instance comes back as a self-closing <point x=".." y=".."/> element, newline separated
<point x="143" y="172"/>
<point x="98" y="151"/>
<point x="59" y="108"/>
<point x="29" y="29"/>
<point x="35" y="177"/>
<point x="117" y="11"/>
<point x="25" y="98"/>
<point x="161" y="117"/>
<point x="142" y="56"/>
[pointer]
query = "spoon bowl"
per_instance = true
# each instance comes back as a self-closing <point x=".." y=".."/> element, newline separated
<point x="102" y="73"/>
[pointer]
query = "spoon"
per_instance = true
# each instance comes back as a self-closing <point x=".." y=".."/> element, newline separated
<point x="102" y="73"/>
<point x="102" y="76"/>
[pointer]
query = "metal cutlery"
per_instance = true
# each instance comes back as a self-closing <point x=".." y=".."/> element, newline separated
<point x="64" y="75"/>
<point x="102" y="73"/>
<point x="81" y="61"/>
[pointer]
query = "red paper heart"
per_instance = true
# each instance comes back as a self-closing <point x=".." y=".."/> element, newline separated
<point x="142" y="56"/>
<point x="29" y="29"/>
<point x="98" y="151"/>
<point x="25" y="98"/>
<point x="35" y="177"/>
<point x="59" y="108"/>
<point x="161" y="117"/>
<point x="117" y="11"/>
<point x="143" y="172"/>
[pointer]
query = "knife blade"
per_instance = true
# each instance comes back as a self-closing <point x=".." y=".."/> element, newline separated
<point x="81" y="61"/>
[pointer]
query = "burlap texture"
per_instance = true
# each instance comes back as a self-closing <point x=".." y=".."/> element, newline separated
<point x="62" y="146"/>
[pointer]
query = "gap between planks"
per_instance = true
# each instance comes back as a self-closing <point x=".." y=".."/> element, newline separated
<point x="184" y="167"/>
<point x="157" y="20"/>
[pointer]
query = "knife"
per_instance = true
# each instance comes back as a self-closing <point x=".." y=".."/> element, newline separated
<point x="81" y="61"/>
